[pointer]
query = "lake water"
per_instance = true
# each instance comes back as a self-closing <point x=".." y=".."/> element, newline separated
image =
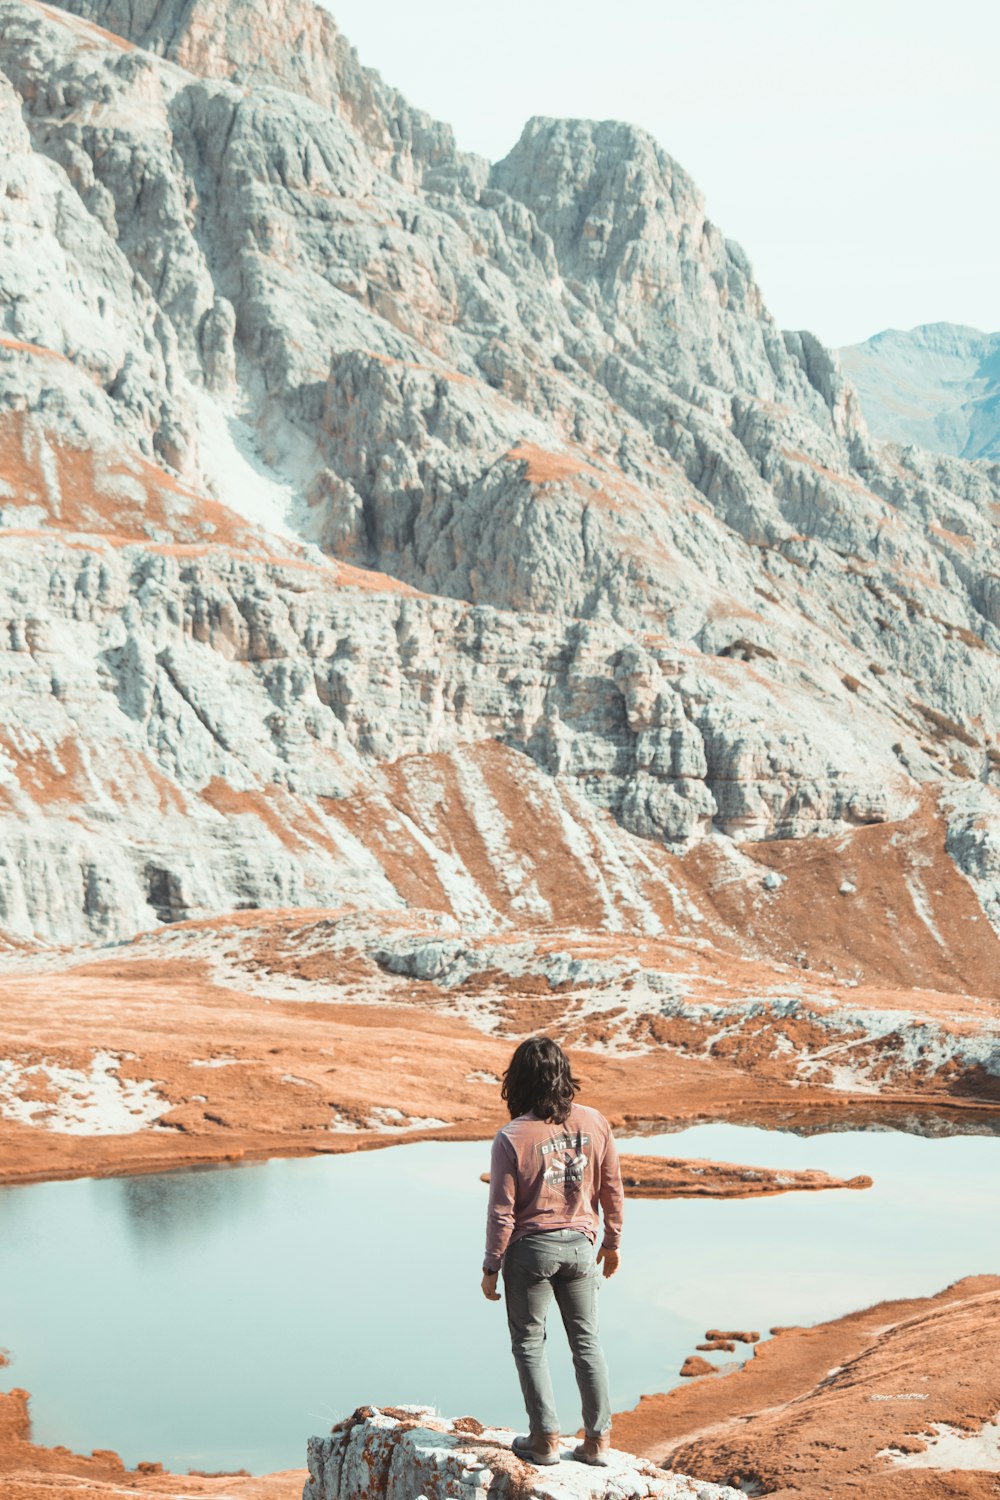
<point x="215" y="1318"/>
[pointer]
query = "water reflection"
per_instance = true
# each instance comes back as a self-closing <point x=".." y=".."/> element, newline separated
<point x="880" y="1116"/>
<point x="163" y="1207"/>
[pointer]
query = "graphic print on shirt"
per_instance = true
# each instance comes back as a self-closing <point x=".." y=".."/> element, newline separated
<point x="564" y="1161"/>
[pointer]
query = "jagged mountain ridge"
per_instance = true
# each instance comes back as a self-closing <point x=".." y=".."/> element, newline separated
<point x="937" y="385"/>
<point x="539" y="467"/>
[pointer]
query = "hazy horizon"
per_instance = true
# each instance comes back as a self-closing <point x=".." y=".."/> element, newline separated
<point x="851" y="159"/>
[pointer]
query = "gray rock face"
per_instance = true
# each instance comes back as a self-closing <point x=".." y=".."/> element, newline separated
<point x="323" y="444"/>
<point x="147" y="682"/>
<point x="411" y="1451"/>
<point x="937" y="385"/>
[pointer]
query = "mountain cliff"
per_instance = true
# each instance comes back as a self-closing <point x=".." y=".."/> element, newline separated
<point x="387" y="529"/>
<point x="937" y="385"/>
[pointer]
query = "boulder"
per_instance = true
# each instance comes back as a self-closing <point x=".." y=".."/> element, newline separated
<point x="413" y="1453"/>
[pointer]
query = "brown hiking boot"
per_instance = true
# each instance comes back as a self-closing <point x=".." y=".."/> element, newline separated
<point x="538" y="1447"/>
<point x="594" y="1450"/>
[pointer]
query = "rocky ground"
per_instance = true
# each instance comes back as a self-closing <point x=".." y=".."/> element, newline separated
<point x="456" y="567"/>
<point x="289" y="1032"/>
<point x="403" y="1451"/>
<point x="673" y="1177"/>
<point x="895" y="1402"/>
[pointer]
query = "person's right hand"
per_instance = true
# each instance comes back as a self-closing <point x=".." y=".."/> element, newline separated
<point x="609" y="1260"/>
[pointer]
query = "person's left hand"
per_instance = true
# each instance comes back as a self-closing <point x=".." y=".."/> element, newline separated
<point x="609" y="1259"/>
<point x="490" y="1286"/>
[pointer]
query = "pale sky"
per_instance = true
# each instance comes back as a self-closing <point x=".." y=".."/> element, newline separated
<point x="852" y="148"/>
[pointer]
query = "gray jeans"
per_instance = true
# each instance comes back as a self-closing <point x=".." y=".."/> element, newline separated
<point x="559" y="1263"/>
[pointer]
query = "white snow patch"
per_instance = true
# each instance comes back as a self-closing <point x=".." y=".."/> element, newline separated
<point x="97" y="1102"/>
<point x="235" y="471"/>
<point x="922" y="907"/>
<point x="31" y="517"/>
<point x="577" y="843"/>
<point x="468" y="902"/>
<point x="684" y="907"/>
<point x="844" y="1079"/>
<point x="951" y="1448"/>
<point x="387" y="1117"/>
<point x="582" y="813"/>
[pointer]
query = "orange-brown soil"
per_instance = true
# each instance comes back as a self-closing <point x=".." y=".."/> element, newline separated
<point x="678" y="1177"/>
<point x="267" y="1033"/>
<point x="812" y="1412"/>
<point x="30" y="1472"/>
<point x="209" y="1015"/>
<point x="241" y="1075"/>
<point x="94" y="498"/>
<point x="220" y="1060"/>
<point x="695" y="1365"/>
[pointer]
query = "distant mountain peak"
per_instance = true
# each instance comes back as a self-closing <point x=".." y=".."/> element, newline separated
<point x="937" y="385"/>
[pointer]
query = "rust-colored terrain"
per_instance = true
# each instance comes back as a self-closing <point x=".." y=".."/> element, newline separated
<point x="303" y="1032"/>
<point x="674" y="1177"/>
<point x="841" y="1409"/>
<point x="300" y="1032"/>
<point x="30" y="1472"/>
<point x="286" y="1032"/>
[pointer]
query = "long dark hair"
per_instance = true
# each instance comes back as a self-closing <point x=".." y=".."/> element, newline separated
<point x="539" y="1080"/>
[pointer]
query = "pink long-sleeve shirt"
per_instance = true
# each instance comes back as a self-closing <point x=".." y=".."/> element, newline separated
<point x="549" y="1176"/>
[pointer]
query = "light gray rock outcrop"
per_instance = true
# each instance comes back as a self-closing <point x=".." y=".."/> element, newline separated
<point x="146" y="682"/>
<point x="411" y="1451"/>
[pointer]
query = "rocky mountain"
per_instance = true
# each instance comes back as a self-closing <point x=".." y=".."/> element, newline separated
<point x="937" y="385"/>
<point x="389" y="530"/>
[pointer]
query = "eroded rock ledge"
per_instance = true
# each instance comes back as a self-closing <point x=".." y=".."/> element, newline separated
<point x="410" y="1451"/>
<point x="680" y="1177"/>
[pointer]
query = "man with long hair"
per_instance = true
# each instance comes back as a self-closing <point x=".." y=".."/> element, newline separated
<point x="551" y="1170"/>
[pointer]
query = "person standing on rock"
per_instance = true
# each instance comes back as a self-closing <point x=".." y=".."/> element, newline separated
<point x="552" y="1168"/>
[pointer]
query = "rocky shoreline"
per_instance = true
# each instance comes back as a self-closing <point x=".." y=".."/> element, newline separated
<point x="839" y="1408"/>
<point x="790" y="1369"/>
<point x="869" y="1405"/>
<point x="287" y="1033"/>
